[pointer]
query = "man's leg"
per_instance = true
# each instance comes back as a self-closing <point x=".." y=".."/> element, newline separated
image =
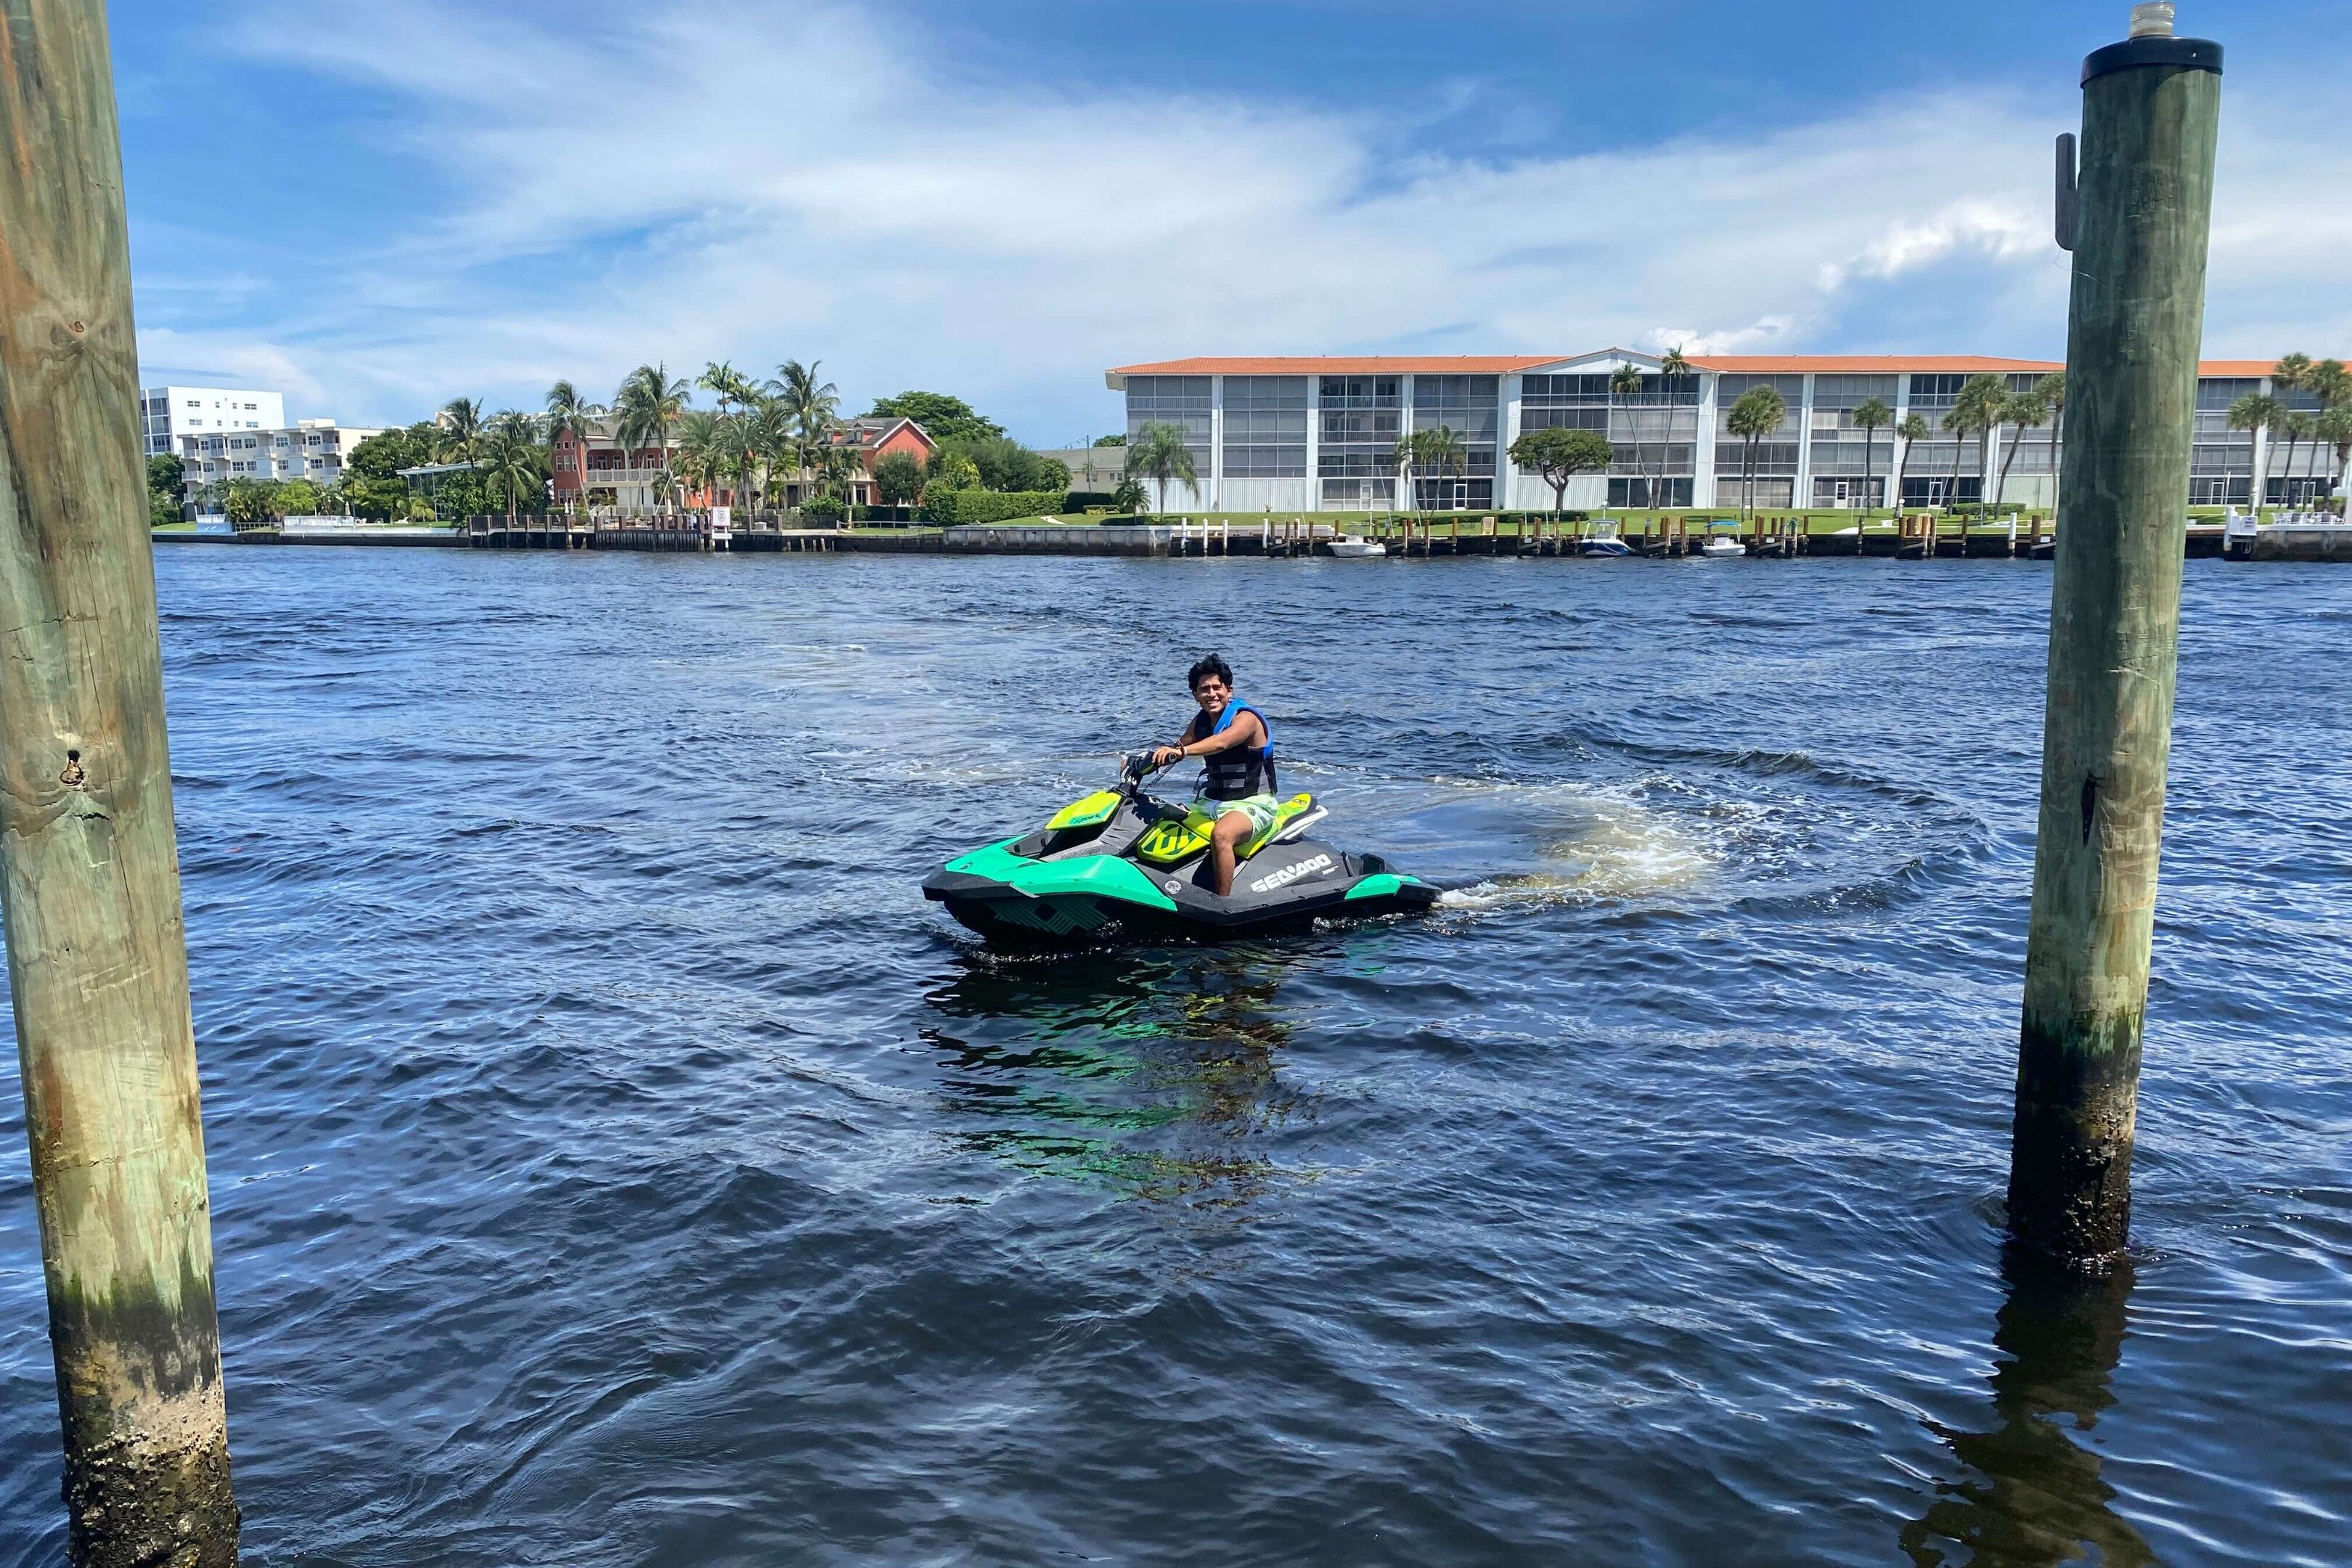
<point x="1225" y="840"/>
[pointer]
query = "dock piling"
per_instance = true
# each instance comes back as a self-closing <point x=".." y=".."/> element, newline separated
<point x="2150" y="108"/>
<point x="90" y="876"/>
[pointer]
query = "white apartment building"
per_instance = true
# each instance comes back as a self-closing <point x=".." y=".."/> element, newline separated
<point x="169" y="412"/>
<point x="1304" y="434"/>
<point x="315" y="449"/>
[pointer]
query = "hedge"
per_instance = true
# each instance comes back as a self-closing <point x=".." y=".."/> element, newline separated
<point x="953" y="507"/>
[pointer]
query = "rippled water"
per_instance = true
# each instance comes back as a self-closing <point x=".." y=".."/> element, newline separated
<point x="615" y="1161"/>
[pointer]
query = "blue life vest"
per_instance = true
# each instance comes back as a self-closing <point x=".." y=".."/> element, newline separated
<point x="1242" y="772"/>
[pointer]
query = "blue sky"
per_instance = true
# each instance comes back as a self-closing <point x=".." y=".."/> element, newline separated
<point x="377" y="207"/>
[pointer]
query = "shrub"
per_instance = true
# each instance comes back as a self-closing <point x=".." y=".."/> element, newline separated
<point x="1091" y="501"/>
<point x="825" y="506"/>
<point x="966" y="507"/>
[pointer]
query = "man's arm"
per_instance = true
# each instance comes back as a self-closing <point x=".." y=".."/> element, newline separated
<point x="1245" y="731"/>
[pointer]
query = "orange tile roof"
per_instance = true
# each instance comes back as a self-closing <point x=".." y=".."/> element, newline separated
<point x="1343" y="364"/>
<point x="1833" y="364"/>
<point x="1738" y="364"/>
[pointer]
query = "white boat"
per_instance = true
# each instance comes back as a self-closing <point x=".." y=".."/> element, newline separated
<point x="1722" y="547"/>
<point x="1607" y="545"/>
<point x="1347" y="549"/>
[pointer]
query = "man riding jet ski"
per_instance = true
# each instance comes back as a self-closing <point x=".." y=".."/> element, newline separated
<point x="1234" y="859"/>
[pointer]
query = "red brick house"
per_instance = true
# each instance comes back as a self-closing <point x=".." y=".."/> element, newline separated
<point x="612" y="477"/>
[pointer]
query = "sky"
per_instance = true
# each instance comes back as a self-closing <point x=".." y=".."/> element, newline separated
<point x="376" y="207"/>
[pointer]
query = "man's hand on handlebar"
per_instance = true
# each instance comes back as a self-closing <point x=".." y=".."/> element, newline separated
<point x="1167" y="756"/>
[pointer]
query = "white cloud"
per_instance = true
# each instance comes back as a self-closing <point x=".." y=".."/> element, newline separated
<point x="224" y="358"/>
<point x="751" y="181"/>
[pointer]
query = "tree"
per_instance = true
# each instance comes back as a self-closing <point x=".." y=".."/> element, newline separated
<point x="1625" y="381"/>
<point x="648" y="403"/>
<point x="1105" y="440"/>
<point x="702" y="443"/>
<point x="371" y="483"/>
<point x="1757" y="413"/>
<point x="252" y="502"/>
<point x="898" y="479"/>
<point x="765" y="430"/>
<point x="1869" y="416"/>
<point x="942" y="417"/>
<point x="2333" y="429"/>
<point x="1006" y="465"/>
<point x="1440" y="450"/>
<point x="297" y="498"/>
<point x="1557" y="455"/>
<point x="2255" y="413"/>
<point x="1128" y="496"/>
<point x="571" y="416"/>
<point x="949" y="470"/>
<point x="2287" y="377"/>
<point x="2021" y="412"/>
<point x="460" y="425"/>
<point x="512" y="460"/>
<point x="730" y="387"/>
<point x="166" y="476"/>
<point x="2052" y="390"/>
<point x="1159" y="454"/>
<point x="1977" y="412"/>
<point x="1911" y="432"/>
<point x="1674" y="367"/>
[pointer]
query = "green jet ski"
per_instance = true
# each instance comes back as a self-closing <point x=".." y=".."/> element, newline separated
<point x="1120" y="861"/>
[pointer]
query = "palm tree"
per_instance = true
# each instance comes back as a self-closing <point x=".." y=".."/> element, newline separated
<point x="2052" y="390"/>
<point x="513" y="457"/>
<point x="1869" y="416"/>
<point x="1625" y="381"/>
<point x="1757" y="413"/>
<point x="2334" y="428"/>
<point x="1673" y="366"/>
<point x="569" y="414"/>
<point x="814" y="407"/>
<point x="2287" y="377"/>
<point x="1911" y="432"/>
<point x="1977" y="411"/>
<point x="457" y="436"/>
<point x="2255" y="413"/>
<point x="1157" y="453"/>
<point x="649" y="403"/>
<point x="2021" y="411"/>
<point x="1441" y="449"/>
<point x="701" y="448"/>
<point x="727" y="383"/>
<point x="768" y="444"/>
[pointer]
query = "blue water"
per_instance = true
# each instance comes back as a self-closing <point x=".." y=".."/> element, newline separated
<point x="615" y="1161"/>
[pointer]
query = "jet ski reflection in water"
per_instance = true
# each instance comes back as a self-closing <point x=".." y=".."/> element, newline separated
<point x="1235" y="859"/>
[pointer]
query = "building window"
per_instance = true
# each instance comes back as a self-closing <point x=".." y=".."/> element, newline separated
<point x="1182" y="401"/>
<point x="1357" y="420"/>
<point x="1266" y="427"/>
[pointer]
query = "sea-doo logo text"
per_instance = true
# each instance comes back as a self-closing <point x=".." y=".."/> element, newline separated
<point x="1289" y="874"/>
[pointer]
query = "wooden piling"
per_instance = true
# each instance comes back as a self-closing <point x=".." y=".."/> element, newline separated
<point x="89" y="877"/>
<point x="2150" y="107"/>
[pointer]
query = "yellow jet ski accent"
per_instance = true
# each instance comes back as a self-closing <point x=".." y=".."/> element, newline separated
<point x="1095" y="808"/>
<point x="1170" y="843"/>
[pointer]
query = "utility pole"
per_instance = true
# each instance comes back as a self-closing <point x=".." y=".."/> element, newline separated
<point x="2150" y="107"/>
<point x="90" y="881"/>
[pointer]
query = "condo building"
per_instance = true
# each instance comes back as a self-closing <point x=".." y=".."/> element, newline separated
<point x="169" y="412"/>
<point x="1308" y="434"/>
<point x="315" y="449"/>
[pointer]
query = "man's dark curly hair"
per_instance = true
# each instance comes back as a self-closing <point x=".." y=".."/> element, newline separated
<point x="1210" y="664"/>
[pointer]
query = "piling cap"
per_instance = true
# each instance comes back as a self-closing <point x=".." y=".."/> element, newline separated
<point x="2152" y="44"/>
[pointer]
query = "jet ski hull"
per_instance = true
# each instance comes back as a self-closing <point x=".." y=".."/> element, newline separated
<point x="1019" y="901"/>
